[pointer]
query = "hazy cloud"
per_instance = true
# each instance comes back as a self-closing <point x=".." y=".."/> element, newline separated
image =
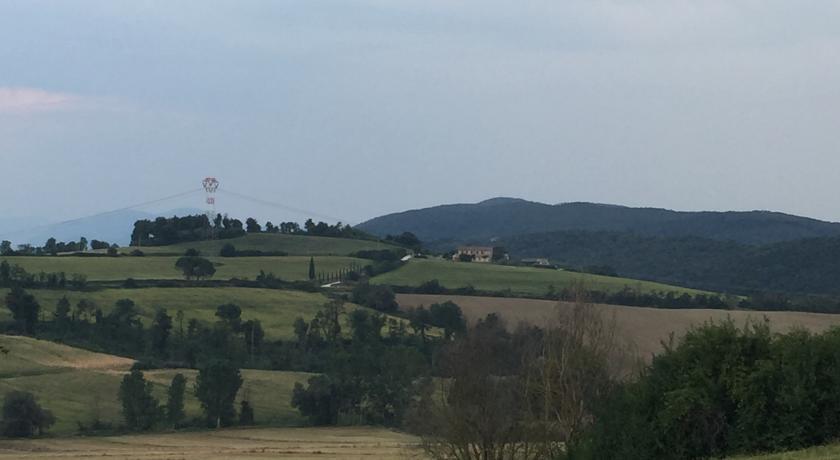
<point x="28" y="100"/>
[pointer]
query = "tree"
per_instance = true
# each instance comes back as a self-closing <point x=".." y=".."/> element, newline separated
<point x="23" y="417"/>
<point x="62" y="311"/>
<point x="139" y="407"/>
<point x="448" y="315"/>
<point x="216" y="387"/>
<point x="175" y="400"/>
<point x="83" y="244"/>
<point x="5" y="273"/>
<point x="271" y="228"/>
<point x="246" y="413"/>
<point x="195" y="267"/>
<point x="6" y="248"/>
<point x="160" y="331"/>
<point x="230" y="314"/>
<point x="311" y="268"/>
<point x="24" y="309"/>
<point x="319" y="401"/>
<point x="252" y="226"/>
<point x="228" y="250"/>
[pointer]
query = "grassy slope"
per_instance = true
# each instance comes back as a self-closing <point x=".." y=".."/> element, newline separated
<point x="524" y="280"/>
<point x="119" y="268"/>
<point x="276" y="309"/>
<point x="79" y="386"/>
<point x="292" y="244"/>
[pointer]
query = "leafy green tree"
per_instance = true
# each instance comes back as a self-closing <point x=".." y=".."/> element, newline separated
<point x="319" y="401"/>
<point x="160" y="332"/>
<point x="246" y="413"/>
<point x="311" y="268"/>
<point x="6" y="248"/>
<point x="252" y="226"/>
<point x="231" y="315"/>
<point x="5" y="273"/>
<point x="216" y="386"/>
<point x="24" y="309"/>
<point x="23" y="417"/>
<point x="448" y="315"/>
<point x="228" y="250"/>
<point x="195" y="267"/>
<point x="175" y="400"/>
<point x="139" y="407"/>
<point x="62" y="312"/>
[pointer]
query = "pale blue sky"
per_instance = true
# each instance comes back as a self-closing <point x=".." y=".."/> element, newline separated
<point x="355" y="109"/>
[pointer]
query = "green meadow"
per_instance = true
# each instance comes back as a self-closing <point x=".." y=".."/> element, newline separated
<point x="288" y="268"/>
<point x="301" y="245"/>
<point x="80" y="386"/>
<point x="520" y="280"/>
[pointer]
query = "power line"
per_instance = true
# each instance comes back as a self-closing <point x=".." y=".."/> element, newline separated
<point x="283" y="206"/>
<point x="105" y="213"/>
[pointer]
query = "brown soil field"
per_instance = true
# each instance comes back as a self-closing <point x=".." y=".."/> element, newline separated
<point x="645" y="328"/>
<point x="287" y="443"/>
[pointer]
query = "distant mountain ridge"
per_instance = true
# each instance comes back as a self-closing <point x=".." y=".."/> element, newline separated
<point x="114" y="227"/>
<point x="452" y="224"/>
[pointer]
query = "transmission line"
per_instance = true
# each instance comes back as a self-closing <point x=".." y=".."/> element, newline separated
<point x="282" y="206"/>
<point x="105" y="213"/>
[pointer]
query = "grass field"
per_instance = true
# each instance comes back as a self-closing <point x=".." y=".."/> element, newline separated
<point x="300" y="245"/>
<point x="645" y="328"/>
<point x="81" y="386"/>
<point x="831" y="452"/>
<point x="521" y="280"/>
<point x="349" y="443"/>
<point x="288" y="268"/>
<point x="276" y="309"/>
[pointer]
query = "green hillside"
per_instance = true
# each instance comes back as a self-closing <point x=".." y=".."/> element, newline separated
<point x="302" y="245"/>
<point x="521" y="280"/>
<point x="81" y="386"/>
<point x="288" y="268"/>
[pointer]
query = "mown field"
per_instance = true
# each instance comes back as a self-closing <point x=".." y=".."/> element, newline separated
<point x="276" y="309"/>
<point x="347" y="443"/>
<point x="300" y="245"/>
<point x="520" y="280"/>
<point x="80" y="386"/>
<point x="831" y="452"/>
<point x="644" y="328"/>
<point x="288" y="268"/>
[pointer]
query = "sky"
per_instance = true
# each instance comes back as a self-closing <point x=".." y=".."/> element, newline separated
<point x="353" y="109"/>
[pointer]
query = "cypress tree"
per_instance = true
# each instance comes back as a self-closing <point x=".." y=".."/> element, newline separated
<point x="311" y="268"/>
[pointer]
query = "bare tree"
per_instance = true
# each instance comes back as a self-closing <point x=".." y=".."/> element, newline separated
<point x="524" y="395"/>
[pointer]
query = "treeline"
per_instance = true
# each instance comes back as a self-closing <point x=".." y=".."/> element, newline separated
<point x="52" y="247"/>
<point x="571" y="391"/>
<point x="15" y="275"/>
<point x="170" y="230"/>
<point x="806" y="266"/>
<point x="724" y="390"/>
<point x="369" y="365"/>
<point x="626" y="296"/>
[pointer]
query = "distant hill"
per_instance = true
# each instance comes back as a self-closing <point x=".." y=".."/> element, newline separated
<point x="805" y="266"/>
<point x="449" y="225"/>
<point x="112" y="227"/>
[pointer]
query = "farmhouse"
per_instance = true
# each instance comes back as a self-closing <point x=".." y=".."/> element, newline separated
<point x="476" y="253"/>
<point x="537" y="262"/>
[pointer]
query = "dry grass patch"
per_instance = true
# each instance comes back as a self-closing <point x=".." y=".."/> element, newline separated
<point x="646" y="328"/>
<point x="287" y="443"/>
